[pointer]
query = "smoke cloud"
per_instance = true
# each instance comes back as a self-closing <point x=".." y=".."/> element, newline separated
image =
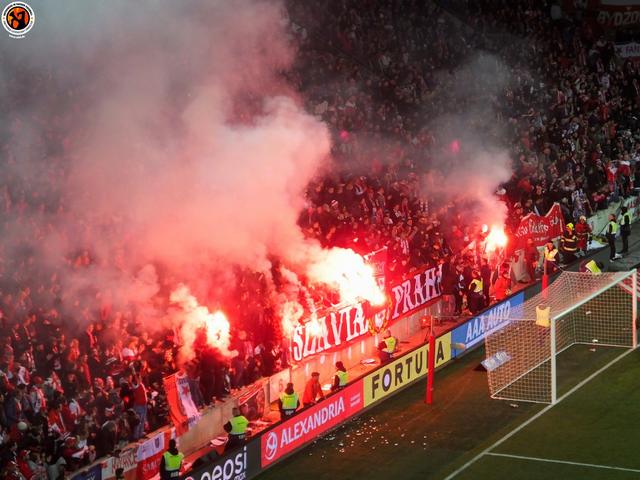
<point x="472" y="160"/>
<point x="151" y="145"/>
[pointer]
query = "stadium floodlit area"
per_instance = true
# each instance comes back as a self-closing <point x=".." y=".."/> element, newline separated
<point x="590" y="433"/>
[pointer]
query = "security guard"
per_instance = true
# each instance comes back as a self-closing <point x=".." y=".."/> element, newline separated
<point x="288" y="402"/>
<point x="625" y="229"/>
<point x="612" y="232"/>
<point x="341" y="377"/>
<point x="592" y="266"/>
<point x="550" y="258"/>
<point x="475" y="298"/>
<point x="569" y="244"/>
<point x="387" y="347"/>
<point x="237" y="428"/>
<point x="171" y="462"/>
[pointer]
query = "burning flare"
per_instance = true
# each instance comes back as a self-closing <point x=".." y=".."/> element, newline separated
<point x="194" y="317"/>
<point x="347" y="272"/>
<point x="496" y="238"/>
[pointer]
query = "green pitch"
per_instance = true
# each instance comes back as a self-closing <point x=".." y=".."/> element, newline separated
<point x="594" y="427"/>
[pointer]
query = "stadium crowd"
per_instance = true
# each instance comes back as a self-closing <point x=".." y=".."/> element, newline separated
<point x="372" y="71"/>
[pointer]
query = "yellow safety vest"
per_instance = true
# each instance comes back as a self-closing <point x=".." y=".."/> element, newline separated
<point x="390" y="342"/>
<point x="239" y="425"/>
<point x="172" y="463"/>
<point x="289" y="401"/>
<point x="550" y="255"/>
<point x="592" y="266"/>
<point x="343" y="377"/>
<point x="476" y="285"/>
<point x="613" y="227"/>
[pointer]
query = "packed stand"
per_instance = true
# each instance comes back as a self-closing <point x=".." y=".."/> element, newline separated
<point x="369" y="69"/>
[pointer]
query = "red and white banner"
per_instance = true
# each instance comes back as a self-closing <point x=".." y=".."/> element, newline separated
<point x="540" y="229"/>
<point x="182" y="410"/>
<point x="342" y="326"/>
<point x="125" y="460"/>
<point x="149" y="454"/>
<point x="378" y="261"/>
<point x="310" y="423"/>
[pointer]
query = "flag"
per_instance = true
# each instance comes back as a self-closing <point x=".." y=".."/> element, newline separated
<point x="182" y="410"/>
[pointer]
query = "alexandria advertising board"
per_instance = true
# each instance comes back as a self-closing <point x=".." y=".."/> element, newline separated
<point x="308" y="424"/>
<point x="472" y="332"/>
<point x="239" y="464"/>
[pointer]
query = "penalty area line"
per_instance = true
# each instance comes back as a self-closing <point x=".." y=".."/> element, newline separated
<point x="564" y="462"/>
<point x="536" y="416"/>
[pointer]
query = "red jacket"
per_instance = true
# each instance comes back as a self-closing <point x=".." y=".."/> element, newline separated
<point x="140" y="395"/>
<point x="582" y="232"/>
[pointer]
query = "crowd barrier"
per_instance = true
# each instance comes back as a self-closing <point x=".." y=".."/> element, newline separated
<point x="413" y="299"/>
<point x="285" y="438"/>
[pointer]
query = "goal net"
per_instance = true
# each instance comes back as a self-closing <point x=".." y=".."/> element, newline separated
<point x="577" y="308"/>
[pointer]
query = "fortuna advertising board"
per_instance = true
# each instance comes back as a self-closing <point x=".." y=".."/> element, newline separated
<point x="310" y="423"/>
<point x="472" y="332"/>
<point x="386" y="380"/>
<point x="236" y="465"/>
<point x="342" y="326"/>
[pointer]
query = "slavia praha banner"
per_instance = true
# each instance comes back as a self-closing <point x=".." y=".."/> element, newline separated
<point x="540" y="229"/>
<point x="341" y="326"/>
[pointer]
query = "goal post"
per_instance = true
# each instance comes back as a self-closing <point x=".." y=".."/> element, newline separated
<point x="522" y="355"/>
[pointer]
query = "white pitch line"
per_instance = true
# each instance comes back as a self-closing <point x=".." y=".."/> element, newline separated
<point x="536" y="416"/>
<point x="549" y="460"/>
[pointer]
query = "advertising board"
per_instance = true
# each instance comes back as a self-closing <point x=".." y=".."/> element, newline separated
<point x="239" y="464"/>
<point x="411" y="366"/>
<point x="310" y="423"/>
<point x="472" y="332"/>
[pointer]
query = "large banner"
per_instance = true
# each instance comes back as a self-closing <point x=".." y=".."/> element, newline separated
<point x="411" y="366"/>
<point x="540" y="229"/>
<point x="182" y="410"/>
<point x="342" y="326"/>
<point x="149" y="454"/>
<point x="473" y="331"/>
<point x="310" y="423"/>
<point x="378" y="262"/>
<point x="252" y="403"/>
<point x="125" y="460"/>
<point x="608" y="13"/>
<point x="629" y="50"/>
<point x="235" y="465"/>
<point x="415" y="292"/>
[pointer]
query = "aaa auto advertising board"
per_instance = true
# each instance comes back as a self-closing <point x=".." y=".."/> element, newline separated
<point x="472" y="332"/>
<point x="310" y="423"/>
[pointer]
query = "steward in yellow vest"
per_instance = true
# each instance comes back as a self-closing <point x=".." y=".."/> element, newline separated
<point x="237" y="428"/>
<point x="612" y="232"/>
<point x="288" y="402"/>
<point x="592" y="266"/>
<point x="387" y="347"/>
<point x="550" y="258"/>
<point x="341" y="378"/>
<point x="171" y="462"/>
<point x="475" y="297"/>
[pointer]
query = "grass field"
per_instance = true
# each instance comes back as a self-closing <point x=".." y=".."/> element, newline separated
<point x="595" y="426"/>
